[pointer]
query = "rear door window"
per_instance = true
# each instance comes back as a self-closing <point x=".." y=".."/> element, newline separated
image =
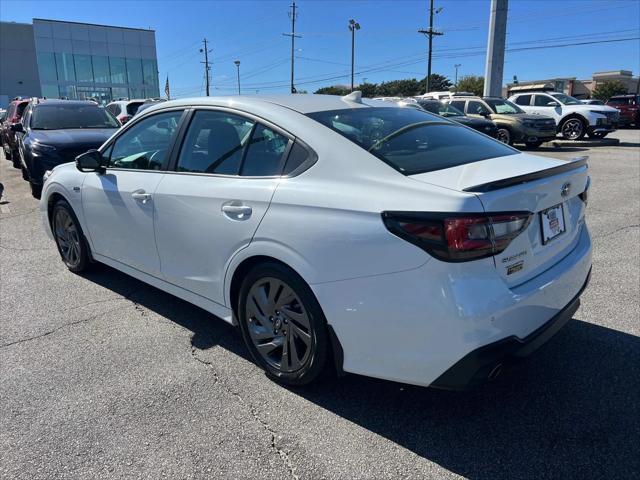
<point x="523" y="100"/>
<point x="477" y="108"/>
<point x="459" y="104"/>
<point x="265" y="153"/>
<point x="412" y="141"/>
<point x="214" y="143"/>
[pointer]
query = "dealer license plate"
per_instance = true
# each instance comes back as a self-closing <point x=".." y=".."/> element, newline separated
<point x="552" y="220"/>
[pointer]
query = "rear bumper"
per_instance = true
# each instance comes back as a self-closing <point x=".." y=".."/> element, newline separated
<point x="413" y="326"/>
<point x="477" y="366"/>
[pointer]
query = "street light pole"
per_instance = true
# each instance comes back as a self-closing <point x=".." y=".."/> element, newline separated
<point x="457" y="65"/>
<point x="237" y="62"/>
<point x="353" y="26"/>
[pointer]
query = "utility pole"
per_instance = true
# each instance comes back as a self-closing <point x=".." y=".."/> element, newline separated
<point x="293" y="15"/>
<point x="237" y="62"/>
<point x="495" y="48"/>
<point x="457" y="65"/>
<point x="206" y="64"/>
<point x="353" y="26"/>
<point x="430" y="32"/>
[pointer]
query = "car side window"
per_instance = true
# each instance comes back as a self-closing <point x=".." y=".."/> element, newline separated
<point x="477" y="108"/>
<point x="459" y="104"/>
<point x="145" y="145"/>
<point x="264" y="153"/>
<point x="542" y="101"/>
<point x="523" y="100"/>
<point x="214" y="143"/>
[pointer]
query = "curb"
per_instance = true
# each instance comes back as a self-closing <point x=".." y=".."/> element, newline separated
<point x="600" y="142"/>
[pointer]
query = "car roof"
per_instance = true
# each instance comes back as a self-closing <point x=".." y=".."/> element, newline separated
<point x="302" y="103"/>
<point x="55" y="101"/>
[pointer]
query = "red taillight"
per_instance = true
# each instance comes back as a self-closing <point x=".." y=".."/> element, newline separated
<point x="457" y="238"/>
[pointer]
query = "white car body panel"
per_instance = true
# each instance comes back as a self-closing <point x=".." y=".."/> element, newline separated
<point x="195" y="238"/>
<point x="120" y="226"/>
<point x="398" y="313"/>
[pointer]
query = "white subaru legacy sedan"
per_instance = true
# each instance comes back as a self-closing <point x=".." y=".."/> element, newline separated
<point x="387" y="241"/>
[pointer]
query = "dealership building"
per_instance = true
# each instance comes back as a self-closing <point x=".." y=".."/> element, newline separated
<point x="52" y="59"/>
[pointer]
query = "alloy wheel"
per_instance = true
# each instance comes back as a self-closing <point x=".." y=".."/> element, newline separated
<point x="503" y="136"/>
<point x="572" y="129"/>
<point x="278" y="324"/>
<point x="67" y="237"/>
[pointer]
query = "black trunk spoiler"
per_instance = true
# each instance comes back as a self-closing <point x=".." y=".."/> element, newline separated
<point x="572" y="164"/>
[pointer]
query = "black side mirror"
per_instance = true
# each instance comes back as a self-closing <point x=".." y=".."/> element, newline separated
<point x="16" y="127"/>
<point x="91" y="161"/>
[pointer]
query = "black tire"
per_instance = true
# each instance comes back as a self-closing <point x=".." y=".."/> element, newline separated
<point x="25" y="173"/>
<point x="7" y="152"/>
<point x="573" y="128"/>
<point x="75" y="263"/>
<point x="15" y="159"/>
<point x="533" y="145"/>
<point x="36" y="190"/>
<point x="504" y="136"/>
<point x="315" y="356"/>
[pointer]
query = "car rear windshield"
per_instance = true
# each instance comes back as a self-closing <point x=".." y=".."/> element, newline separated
<point x="132" y="107"/>
<point x="61" y="116"/>
<point x="442" y="109"/>
<point x="412" y="141"/>
<point x="621" y="101"/>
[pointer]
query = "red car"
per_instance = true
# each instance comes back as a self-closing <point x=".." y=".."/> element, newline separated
<point x="8" y="136"/>
<point x="629" y="108"/>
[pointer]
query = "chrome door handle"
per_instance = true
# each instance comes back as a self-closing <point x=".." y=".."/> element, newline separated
<point x="141" y="195"/>
<point x="237" y="212"/>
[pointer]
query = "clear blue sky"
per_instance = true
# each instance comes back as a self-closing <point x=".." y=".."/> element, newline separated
<point x="387" y="47"/>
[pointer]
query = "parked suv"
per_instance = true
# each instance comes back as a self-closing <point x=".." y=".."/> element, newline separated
<point x="8" y="136"/>
<point x="452" y="113"/>
<point x="124" y="110"/>
<point x="56" y="131"/>
<point x="514" y="125"/>
<point x="573" y="118"/>
<point x="629" y="108"/>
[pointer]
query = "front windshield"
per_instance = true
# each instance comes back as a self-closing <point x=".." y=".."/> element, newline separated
<point x="503" y="107"/>
<point x="412" y="141"/>
<point x="71" y="116"/>
<point x="566" y="99"/>
<point x="442" y="109"/>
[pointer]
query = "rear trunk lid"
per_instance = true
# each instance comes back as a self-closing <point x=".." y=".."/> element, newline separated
<point x="548" y="188"/>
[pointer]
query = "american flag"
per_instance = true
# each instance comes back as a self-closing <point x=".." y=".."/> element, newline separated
<point x="166" y="89"/>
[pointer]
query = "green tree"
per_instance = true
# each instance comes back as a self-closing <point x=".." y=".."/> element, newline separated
<point x="334" y="90"/>
<point x="607" y="89"/>
<point x="398" y="88"/>
<point x="368" y="89"/>
<point x="437" y="83"/>
<point x="471" y="83"/>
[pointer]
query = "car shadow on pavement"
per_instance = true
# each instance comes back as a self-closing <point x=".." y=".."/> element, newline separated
<point x="571" y="410"/>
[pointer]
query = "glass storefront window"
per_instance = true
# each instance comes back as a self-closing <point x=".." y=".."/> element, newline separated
<point x="84" y="71"/>
<point x="118" y="70"/>
<point x="50" y="91"/>
<point x="47" y="67"/>
<point x="68" y="91"/>
<point x="101" y="69"/>
<point x="150" y="72"/>
<point x="117" y="92"/>
<point x="64" y="66"/>
<point x="134" y="71"/>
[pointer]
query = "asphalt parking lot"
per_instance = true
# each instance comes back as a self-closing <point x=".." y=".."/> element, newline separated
<point x="102" y="376"/>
